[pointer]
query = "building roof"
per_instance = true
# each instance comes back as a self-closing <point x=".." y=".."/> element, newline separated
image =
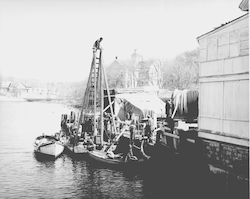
<point x="243" y="6"/>
<point x="117" y="63"/>
<point x="222" y="26"/>
<point x="126" y="64"/>
<point x="6" y="84"/>
<point x="146" y="64"/>
<point x="21" y="85"/>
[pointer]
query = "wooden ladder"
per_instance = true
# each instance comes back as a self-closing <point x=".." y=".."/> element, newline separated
<point x="92" y="92"/>
<point x="93" y="96"/>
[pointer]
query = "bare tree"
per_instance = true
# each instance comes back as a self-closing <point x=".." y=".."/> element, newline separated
<point x="116" y="79"/>
<point x="122" y="75"/>
<point x="150" y="73"/>
<point x="182" y="72"/>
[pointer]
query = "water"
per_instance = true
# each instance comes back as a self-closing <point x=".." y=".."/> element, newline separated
<point x="23" y="176"/>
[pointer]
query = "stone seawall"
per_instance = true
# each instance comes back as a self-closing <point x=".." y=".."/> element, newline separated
<point x="232" y="159"/>
<point x="216" y="169"/>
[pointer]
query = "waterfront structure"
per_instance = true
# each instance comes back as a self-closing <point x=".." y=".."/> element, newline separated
<point x="223" y="123"/>
<point x="12" y="88"/>
<point x="5" y="87"/>
<point x="18" y="89"/>
<point x="37" y="94"/>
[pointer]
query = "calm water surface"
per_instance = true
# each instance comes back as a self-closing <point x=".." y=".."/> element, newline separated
<point x="23" y="176"/>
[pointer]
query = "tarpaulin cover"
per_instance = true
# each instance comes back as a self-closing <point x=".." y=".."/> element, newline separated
<point x="140" y="104"/>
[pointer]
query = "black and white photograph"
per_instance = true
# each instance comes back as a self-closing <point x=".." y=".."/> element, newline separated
<point x="131" y="99"/>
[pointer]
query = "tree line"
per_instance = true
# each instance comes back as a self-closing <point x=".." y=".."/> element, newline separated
<point x="182" y="72"/>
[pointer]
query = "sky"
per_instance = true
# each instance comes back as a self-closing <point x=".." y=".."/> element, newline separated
<point x="52" y="40"/>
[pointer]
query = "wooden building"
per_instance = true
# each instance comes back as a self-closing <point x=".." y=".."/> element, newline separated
<point x="223" y="123"/>
<point x="134" y="72"/>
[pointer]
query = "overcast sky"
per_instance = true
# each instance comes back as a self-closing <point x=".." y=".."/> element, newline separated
<point x="53" y="39"/>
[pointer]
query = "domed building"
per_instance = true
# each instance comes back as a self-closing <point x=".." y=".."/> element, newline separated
<point x="134" y="72"/>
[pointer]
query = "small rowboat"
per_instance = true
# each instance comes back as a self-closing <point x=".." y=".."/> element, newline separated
<point x="77" y="149"/>
<point x="111" y="156"/>
<point x="80" y="151"/>
<point x="103" y="156"/>
<point x="48" y="146"/>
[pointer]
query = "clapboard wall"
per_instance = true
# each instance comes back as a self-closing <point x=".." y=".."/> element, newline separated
<point x="224" y="83"/>
<point x="223" y="122"/>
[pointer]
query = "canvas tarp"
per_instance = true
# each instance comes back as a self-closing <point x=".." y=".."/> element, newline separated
<point x="140" y="104"/>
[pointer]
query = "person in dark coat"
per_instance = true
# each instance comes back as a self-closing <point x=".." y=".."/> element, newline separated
<point x="97" y="45"/>
<point x="132" y="134"/>
<point x="64" y="126"/>
<point x="148" y="128"/>
<point x="167" y="108"/>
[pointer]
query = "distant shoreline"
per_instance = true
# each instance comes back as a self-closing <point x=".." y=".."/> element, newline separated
<point x="18" y="99"/>
<point x="11" y="99"/>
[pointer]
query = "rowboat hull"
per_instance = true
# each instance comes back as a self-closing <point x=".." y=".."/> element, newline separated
<point x="76" y="149"/>
<point x="79" y="151"/>
<point x="102" y="156"/>
<point x="48" y="146"/>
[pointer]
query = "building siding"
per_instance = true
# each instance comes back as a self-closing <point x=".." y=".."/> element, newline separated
<point x="224" y="96"/>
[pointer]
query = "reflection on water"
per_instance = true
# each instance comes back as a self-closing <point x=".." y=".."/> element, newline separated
<point x="23" y="175"/>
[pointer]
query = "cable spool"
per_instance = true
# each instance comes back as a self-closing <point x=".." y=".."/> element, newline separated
<point x="185" y="103"/>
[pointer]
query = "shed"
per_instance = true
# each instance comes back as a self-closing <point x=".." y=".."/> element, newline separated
<point x="224" y="83"/>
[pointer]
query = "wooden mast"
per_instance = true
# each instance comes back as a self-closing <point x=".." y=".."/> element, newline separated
<point x="110" y="104"/>
<point x="86" y="96"/>
<point x="95" y="82"/>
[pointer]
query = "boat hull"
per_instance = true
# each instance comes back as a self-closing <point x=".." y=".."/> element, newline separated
<point x="79" y="151"/>
<point x="101" y="156"/>
<point x="48" y="146"/>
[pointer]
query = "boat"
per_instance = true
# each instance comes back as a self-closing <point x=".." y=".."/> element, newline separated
<point x="106" y="158"/>
<point x="76" y="146"/>
<point x="48" y="146"/>
<point x="110" y="157"/>
<point x="123" y="151"/>
<point x="77" y="149"/>
<point x="89" y="128"/>
<point x="79" y="139"/>
<point x="119" y="149"/>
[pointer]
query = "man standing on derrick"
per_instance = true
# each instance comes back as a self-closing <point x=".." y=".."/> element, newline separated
<point x="97" y="45"/>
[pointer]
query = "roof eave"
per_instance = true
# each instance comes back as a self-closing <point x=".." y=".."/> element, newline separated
<point x="222" y="26"/>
